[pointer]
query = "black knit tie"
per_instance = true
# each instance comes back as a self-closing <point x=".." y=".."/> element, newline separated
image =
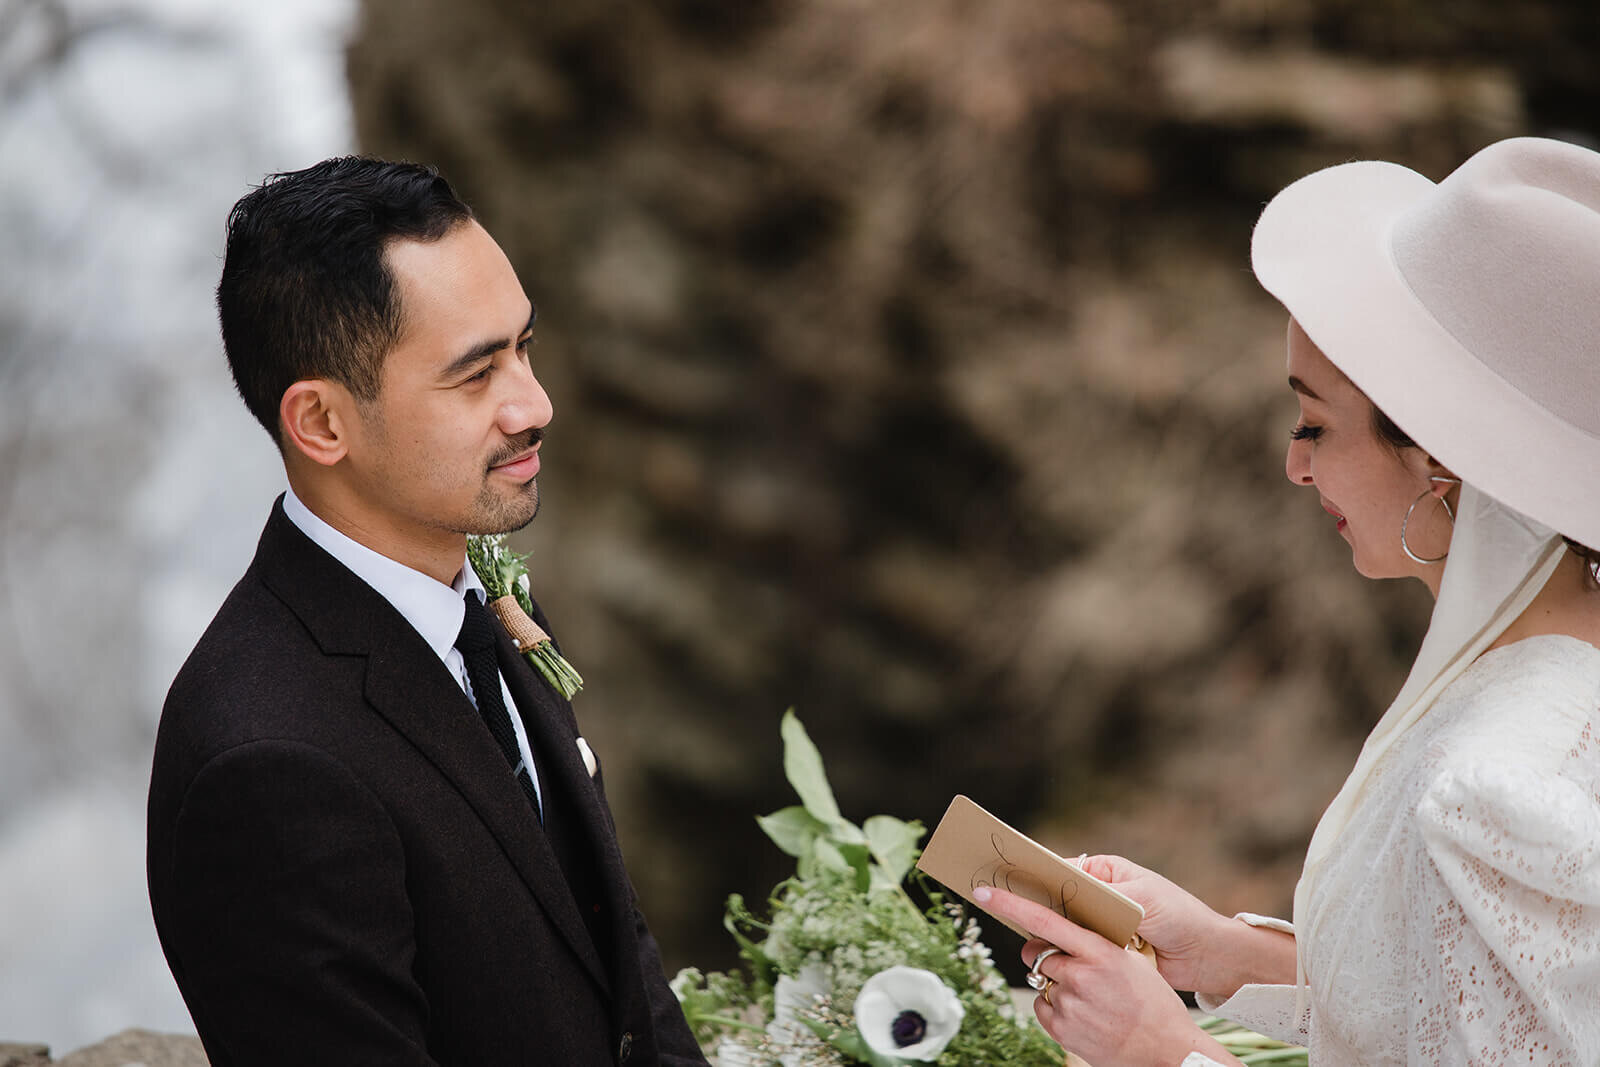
<point x="476" y="642"/>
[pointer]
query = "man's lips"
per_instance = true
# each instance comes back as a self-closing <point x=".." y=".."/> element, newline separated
<point x="524" y="466"/>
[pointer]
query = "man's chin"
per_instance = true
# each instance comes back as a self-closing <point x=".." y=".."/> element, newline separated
<point x="521" y="524"/>
<point x="500" y="516"/>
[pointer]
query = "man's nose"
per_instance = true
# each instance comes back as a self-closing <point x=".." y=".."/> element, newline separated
<point x="526" y="404"/>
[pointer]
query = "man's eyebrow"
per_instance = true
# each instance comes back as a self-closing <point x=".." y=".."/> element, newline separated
<point x="483" y="351"/>
<point x="1302" y="388"/>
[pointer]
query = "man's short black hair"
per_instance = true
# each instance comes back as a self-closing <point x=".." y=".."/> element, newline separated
<point x="306" y="291"/>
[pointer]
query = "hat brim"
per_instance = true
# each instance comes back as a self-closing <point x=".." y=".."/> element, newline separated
<point x="1322" y="247"/>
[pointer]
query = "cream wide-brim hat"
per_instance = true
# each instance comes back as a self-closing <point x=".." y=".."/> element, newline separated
<point x="1467" y="311"/>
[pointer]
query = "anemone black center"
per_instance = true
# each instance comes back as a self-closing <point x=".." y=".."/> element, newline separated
<point x="908" y="1028"/>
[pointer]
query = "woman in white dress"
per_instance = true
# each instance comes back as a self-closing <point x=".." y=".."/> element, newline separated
<point x="1444" y="343"/>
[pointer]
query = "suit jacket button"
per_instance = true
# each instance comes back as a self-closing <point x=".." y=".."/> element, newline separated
<point x="625" y="1047"/>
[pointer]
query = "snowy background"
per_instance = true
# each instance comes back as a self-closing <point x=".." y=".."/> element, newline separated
<point x="132" y="482"/>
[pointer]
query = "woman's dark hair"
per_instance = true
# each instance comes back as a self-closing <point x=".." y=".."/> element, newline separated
<point x="1396" y="438"/>
<point x="1388" y="432"/>
<point x="306" y="291"/>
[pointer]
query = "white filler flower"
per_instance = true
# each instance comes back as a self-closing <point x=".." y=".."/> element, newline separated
<point x="908" y="1013"/>
<point x="792" y="999"/>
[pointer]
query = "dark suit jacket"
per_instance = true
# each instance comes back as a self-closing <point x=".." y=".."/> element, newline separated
<point x="343" y="869"/>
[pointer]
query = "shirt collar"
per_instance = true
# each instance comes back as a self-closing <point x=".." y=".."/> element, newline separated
<point x="433" y="609"/>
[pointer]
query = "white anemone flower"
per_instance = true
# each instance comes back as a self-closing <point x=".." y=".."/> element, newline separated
<point x="908" y="1013"/>
<point x="732" y="1054"/>
<point x="790" y="998"/>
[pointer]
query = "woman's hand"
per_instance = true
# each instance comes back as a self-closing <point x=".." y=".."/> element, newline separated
<point x="1196" y="948"/>
<point x="1176" y="924"/>
<point x="1104" y="1003"/>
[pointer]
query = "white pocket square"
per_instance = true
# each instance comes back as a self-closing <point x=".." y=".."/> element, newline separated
<point x="589" y="762"/>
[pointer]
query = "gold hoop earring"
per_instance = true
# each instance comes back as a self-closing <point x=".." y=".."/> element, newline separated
<point x="1436" y="479"/>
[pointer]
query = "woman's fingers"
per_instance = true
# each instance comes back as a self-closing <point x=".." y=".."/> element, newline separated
<point x="1039" y="921"/>
<point x="1111" y="869"/>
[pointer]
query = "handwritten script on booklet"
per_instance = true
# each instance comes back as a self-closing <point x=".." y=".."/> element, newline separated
<point x="971" y="848"/>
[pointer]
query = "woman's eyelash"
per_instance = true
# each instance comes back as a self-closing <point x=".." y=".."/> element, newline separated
<point x="1305" y="433"/>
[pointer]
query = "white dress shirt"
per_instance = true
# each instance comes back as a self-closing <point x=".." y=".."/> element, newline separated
<point x="433" y="609"/>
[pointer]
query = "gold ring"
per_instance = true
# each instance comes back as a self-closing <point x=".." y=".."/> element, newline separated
<point x="1045" y="992"/>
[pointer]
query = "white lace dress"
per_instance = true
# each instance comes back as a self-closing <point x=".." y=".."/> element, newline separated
<point x="1459" y="910"/>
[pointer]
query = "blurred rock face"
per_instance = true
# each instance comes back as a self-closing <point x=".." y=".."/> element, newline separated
<point x="908" y="369"/>
<point x="131" y="1047"/>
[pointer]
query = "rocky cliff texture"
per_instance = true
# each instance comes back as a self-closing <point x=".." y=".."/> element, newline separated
<point x="131" y="1048"/>
<point x="908" y="369"/>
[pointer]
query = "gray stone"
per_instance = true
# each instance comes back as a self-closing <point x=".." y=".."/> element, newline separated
<point x="138" y="1048"/>
<point x="18" y="1055"/>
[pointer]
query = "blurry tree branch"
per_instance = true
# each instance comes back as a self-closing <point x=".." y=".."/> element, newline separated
<point x="37" y="37"/>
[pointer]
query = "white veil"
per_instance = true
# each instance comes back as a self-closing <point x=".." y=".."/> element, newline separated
<point x="1499" y="561"/>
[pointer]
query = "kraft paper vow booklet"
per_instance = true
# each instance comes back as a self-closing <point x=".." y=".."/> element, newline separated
<point x="972" y="848"/>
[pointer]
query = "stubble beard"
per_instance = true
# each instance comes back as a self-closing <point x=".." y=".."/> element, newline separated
<point x="495" y="514"/>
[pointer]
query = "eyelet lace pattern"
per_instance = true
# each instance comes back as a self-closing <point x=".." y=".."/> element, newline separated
<point x="1460" y="908"/>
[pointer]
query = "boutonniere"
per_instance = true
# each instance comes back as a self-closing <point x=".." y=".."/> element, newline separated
<point x="505" y="577"/>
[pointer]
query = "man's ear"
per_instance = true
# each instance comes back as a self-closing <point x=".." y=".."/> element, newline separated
<point x="314" y="418"/>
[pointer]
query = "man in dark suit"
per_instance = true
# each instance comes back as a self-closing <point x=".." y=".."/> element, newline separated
<point x="345" y="865"/>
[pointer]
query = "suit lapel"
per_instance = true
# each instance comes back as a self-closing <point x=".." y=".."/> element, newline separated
<point x="553" y="733"/>
<point x="412" y="690"/>
<point x="440" y="721"/>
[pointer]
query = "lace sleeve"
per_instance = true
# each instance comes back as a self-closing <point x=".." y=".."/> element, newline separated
<point x="1266" y="1009"/>
<point x="1506" y="918"/>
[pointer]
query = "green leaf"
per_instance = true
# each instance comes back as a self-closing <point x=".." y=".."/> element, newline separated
<point x="802" y="765"/>
<point x="483" y="554"/>
<point x="852" y="1044"/>
<point x="793" y="829"/>
<point x="860" y="861"/>
<point x="853" y="861"/>
<point x="829" y="858"/>
<point x="510" y="567"/>
<point x="894" y="844"/>
<point x="524" y="598"/>
<point x="845" y="832"/>
<point x="881" y="882"/>
<point x="805" y="867"/>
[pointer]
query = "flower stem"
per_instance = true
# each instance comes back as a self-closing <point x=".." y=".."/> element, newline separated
<point x="1277" y="1055"/>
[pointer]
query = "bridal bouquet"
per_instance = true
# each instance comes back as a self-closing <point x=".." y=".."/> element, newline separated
<point x="849" y="970"/>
